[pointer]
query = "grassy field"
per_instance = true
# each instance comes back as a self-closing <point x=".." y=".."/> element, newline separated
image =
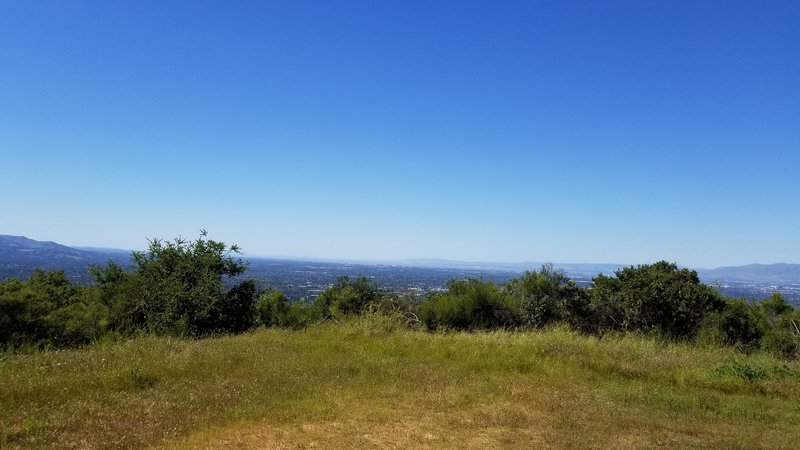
<point x="365" y="384"/>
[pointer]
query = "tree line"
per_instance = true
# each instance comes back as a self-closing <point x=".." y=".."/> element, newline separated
<point x="193" y="288"/>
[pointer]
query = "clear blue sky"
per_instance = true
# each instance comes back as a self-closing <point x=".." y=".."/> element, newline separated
<point x="496" y="131"/>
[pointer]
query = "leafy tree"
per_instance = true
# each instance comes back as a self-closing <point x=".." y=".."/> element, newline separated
<point x="23" y="314"/>
<point x="610" y="310"/>
<point x="83" y="320"/>
<point x="782" y="324"/>
<point x="49" y="311"/>
<point x="272" y="308"/>
<point x="776" y="306"/>
<point x="179" y="288"/>
<point x="741" y="324"/>
<point x="54" y="285"/>
<point x="236" y="311"/>
<point x="118" y="293"/>
<point x="548" y="296"/>
<point x="657" y="297"/>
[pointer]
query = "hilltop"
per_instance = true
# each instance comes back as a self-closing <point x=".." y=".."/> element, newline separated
<point x="366" y="383"/>
<point x="168" y="354"/>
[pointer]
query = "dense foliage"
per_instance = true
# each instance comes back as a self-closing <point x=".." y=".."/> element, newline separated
<point x="347" y="297"/>
<point x="47" y="310"/>
<point x="178" y="288"/>
<point x="175" y="288"/>
<point x="654" y="298"/>
<point x="468" y="304"/>
<point x="549" y="296"/>
<point x="274" y="309"/>
<point x="195" y="288"/>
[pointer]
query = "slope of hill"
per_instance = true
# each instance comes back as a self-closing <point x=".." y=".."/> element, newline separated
<point x="24" y="249"/>
<point x="363" y="384"/>
<point x="755" y="272"/>
<point x="20" y="256"/>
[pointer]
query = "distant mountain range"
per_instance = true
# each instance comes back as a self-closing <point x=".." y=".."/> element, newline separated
<point x="781" y="272"/>
<point x="19" y="256"/>
<point x="575" y="269"/>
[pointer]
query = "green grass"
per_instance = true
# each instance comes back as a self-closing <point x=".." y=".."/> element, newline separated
<point x="366" y="383"/>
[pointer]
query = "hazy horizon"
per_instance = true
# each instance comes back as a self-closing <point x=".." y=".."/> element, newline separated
<point x="422" y="261"/>
<point x="574" y="131"/>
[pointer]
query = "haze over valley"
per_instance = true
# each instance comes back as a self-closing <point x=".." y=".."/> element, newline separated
<point x="304" y="279"/>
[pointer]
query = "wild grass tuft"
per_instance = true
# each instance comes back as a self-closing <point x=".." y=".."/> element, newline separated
<point x="136" y="378"/>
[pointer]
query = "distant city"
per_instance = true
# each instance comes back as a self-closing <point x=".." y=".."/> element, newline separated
<point x="303" y="280"/>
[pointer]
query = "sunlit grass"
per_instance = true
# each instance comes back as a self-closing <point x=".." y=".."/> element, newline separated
<point x="367" y="382"/>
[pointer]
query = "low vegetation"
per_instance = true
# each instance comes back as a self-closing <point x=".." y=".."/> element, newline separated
<point x="370" y="381"/>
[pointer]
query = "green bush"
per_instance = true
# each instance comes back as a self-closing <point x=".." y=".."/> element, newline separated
<point x="741" y="325"/>
<point x="745" y="371"/>
<point x="178" y="288"/>
<point x="783" y="338"/>
<point x="24" y="311"/>
<point x="549" y="296"/>
<point x="84" y="320"/>
<point x="469" y="304"/>
<point x="49" y="311"/>
<point x="274" y="309"/>
<point x="118" y="293"/>
<point x="347" y="297"/>
<point x="781" y="322"/>
<point x="236" y="310"/>
<point x="654" y="298"/>
<point x="297" y="315"/>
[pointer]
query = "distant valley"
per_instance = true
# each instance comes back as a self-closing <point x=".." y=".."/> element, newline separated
<point x="20" y="256"/>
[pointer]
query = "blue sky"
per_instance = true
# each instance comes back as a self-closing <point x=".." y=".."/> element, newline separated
<point x="561" y="131"/>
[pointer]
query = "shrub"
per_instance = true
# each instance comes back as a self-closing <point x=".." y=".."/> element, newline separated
<point x="469" y="304"/>
<point x="745" y="371"/>
<point x="272" y="308"/>
<point x="783" y="338"/>
<point x="658" y="297"/>
<point x="347" y="297"/>
<point x="236" y="310"/>
<point x="296" y="316"/>
<point x="741" y="325"/>
<point x="548" y="296"/>
<point x="178" y="288"/>
<point x="781" y="321"/>
<point x="23" y="314"/>
<point x="49" y="311"/>
<point x="84" y="320"/>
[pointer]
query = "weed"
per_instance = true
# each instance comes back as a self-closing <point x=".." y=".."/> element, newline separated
<point x="745" y="371"/>
<point x="784" y="371"/>
<point x="136" y="378"/>
<point x="32" y="427"/>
